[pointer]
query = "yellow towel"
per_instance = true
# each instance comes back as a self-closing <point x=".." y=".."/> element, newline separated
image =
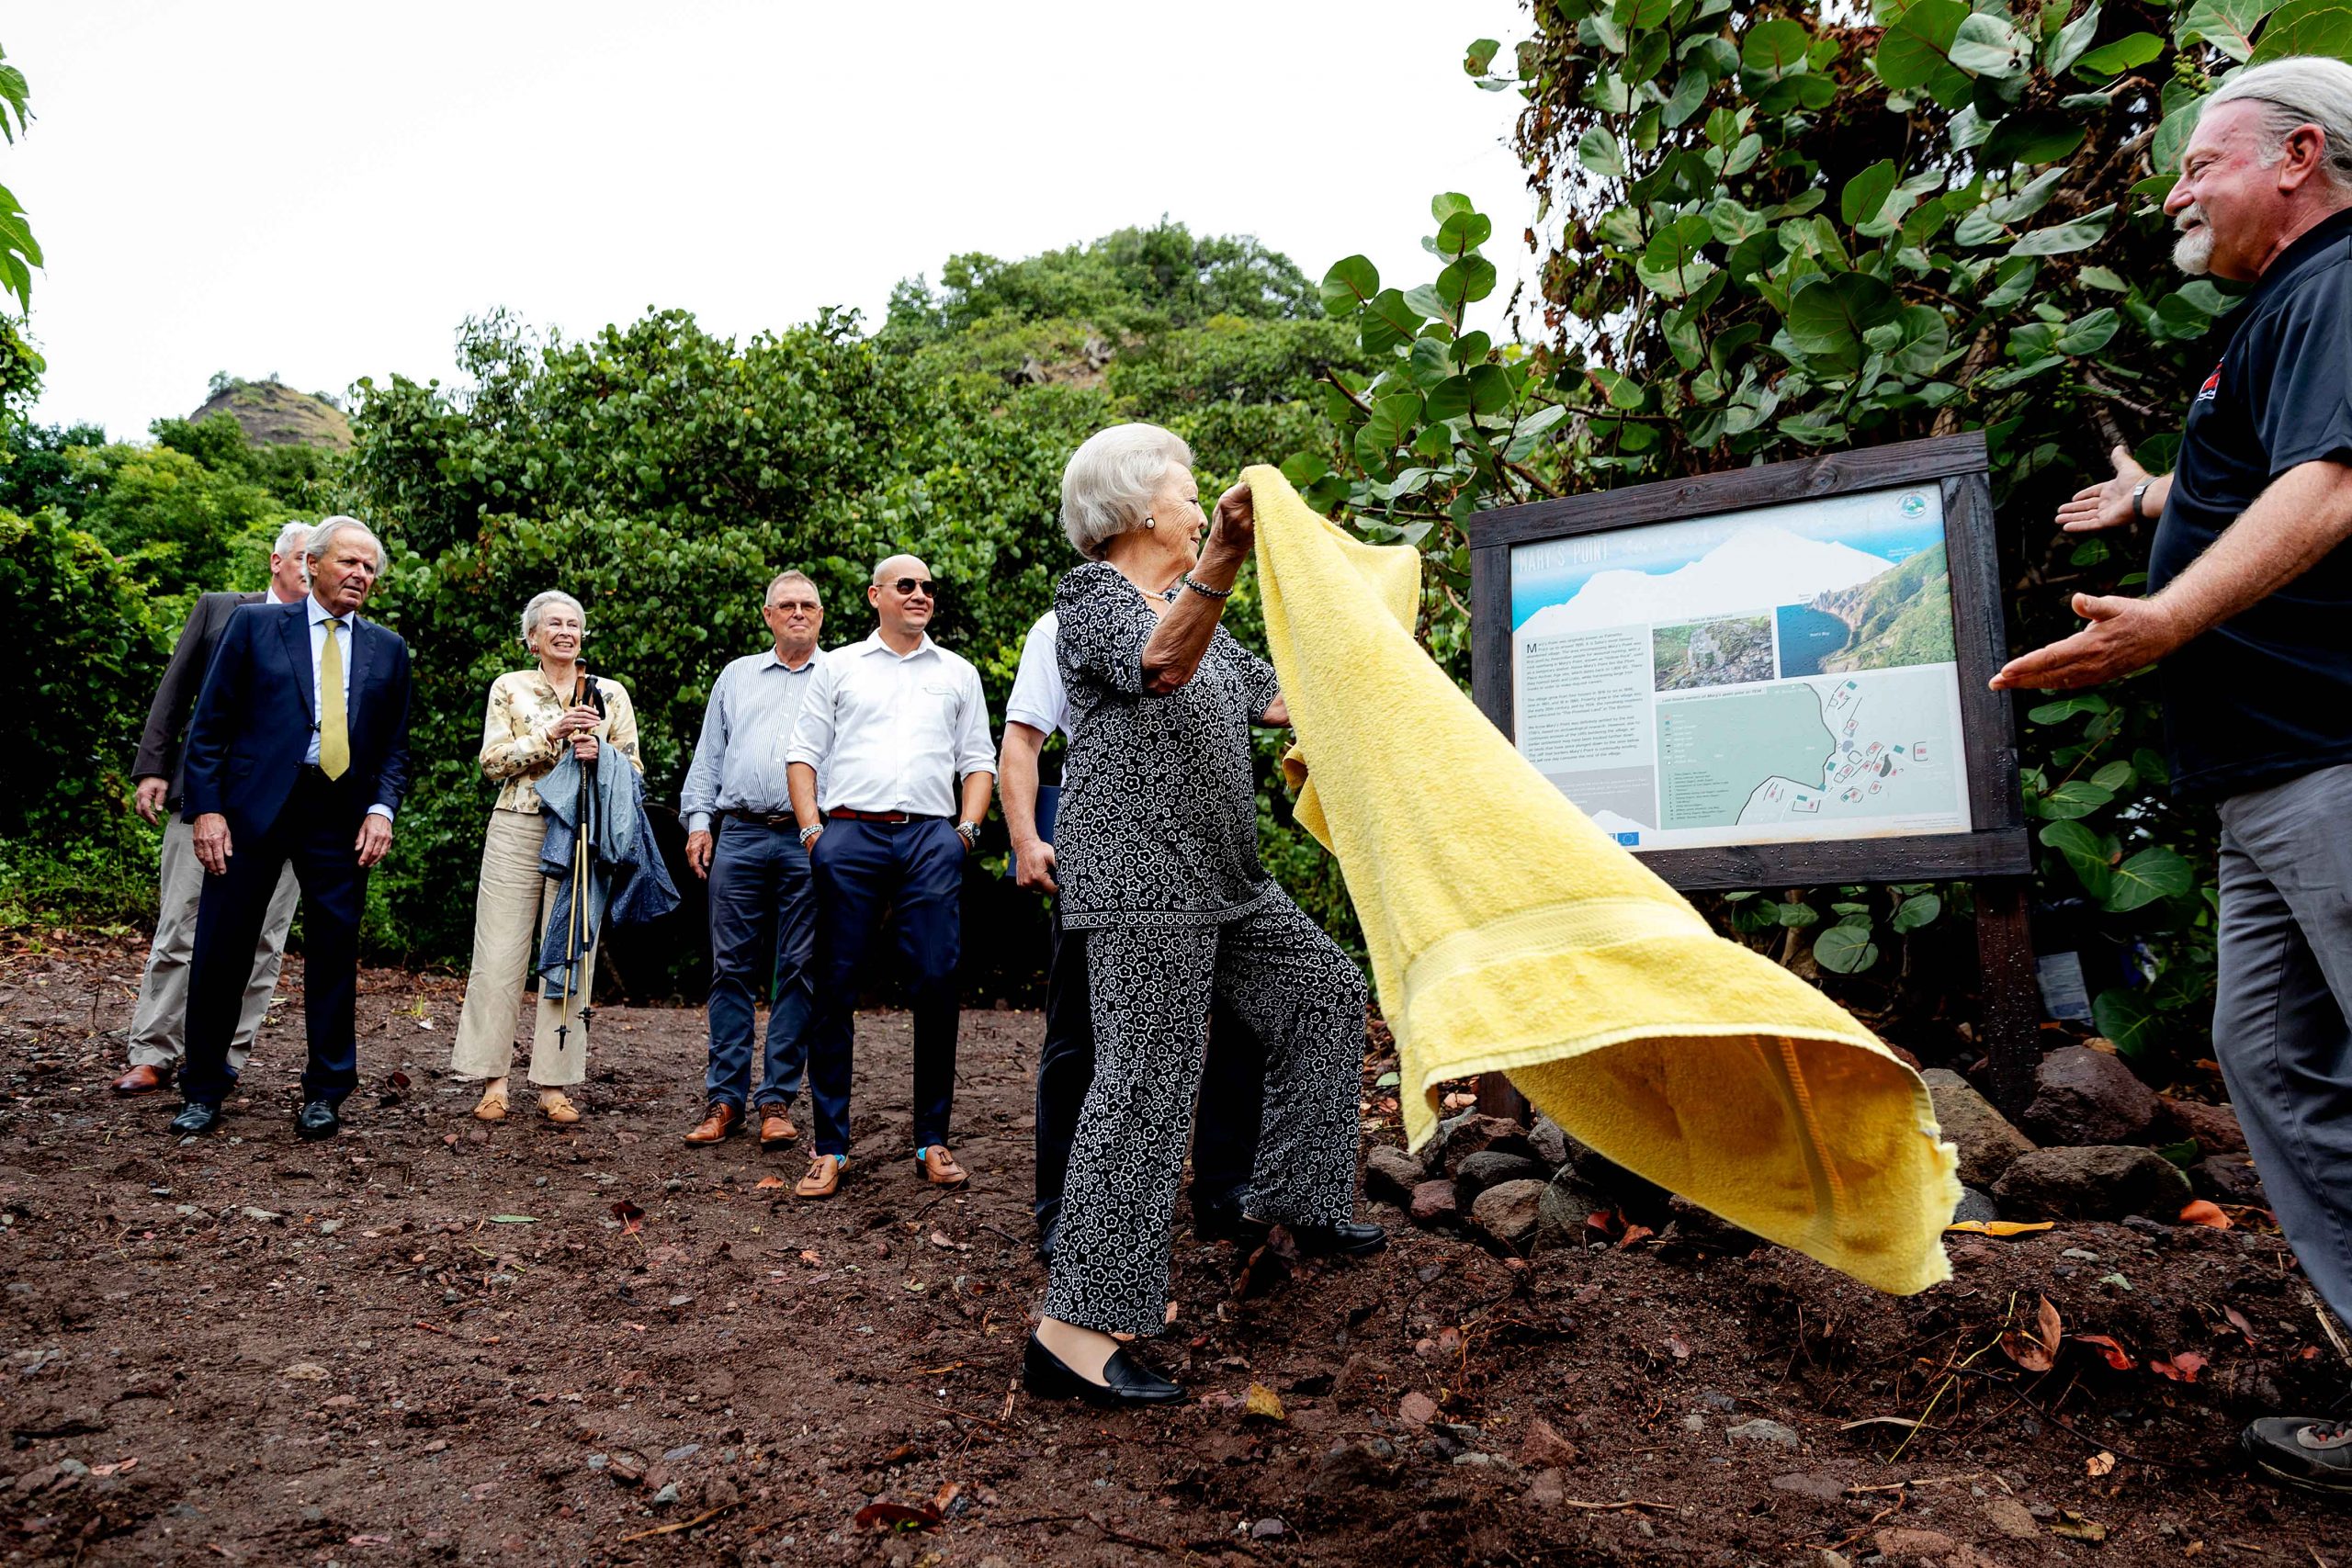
<point x="1507" y="933"/>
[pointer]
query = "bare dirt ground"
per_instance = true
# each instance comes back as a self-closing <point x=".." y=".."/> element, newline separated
<point x="429" y="1341"/>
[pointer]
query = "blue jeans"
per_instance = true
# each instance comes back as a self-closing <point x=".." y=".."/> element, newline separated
<point x="913" y="871"/>
<point x="763" y="932"/>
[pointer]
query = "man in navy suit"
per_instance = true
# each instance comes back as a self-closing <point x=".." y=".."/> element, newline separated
<point x="297" y="755"/>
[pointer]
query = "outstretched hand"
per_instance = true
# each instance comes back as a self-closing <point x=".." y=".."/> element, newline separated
<point x="2107" y="504"/>
<point x="2123" y="635"/>
<point x="1237" y="524"/>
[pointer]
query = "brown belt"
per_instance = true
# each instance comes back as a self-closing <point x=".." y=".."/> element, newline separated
<point x="763" y="819"/>
<point x="844" y="814"/>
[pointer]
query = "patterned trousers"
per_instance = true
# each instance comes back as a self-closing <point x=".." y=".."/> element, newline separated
<point x="1151" y="989"/>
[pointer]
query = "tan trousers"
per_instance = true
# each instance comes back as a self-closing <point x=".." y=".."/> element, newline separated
<point x="510" y="905"/>
<point x="159" y="1023"/>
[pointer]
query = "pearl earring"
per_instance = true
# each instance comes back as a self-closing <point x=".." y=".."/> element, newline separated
<point x="1150" y="523"/>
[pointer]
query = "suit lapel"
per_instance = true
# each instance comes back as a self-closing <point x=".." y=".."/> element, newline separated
<point x="362" y="648"/>
<point x="294" y="629"/>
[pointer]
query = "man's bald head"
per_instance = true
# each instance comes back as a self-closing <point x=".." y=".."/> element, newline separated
<point x="895" y="566"/>
<point x="903" y="599"/>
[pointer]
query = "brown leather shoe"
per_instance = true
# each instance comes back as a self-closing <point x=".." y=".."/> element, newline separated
<point x="143" y="1079"/>
<point x="824" y="1178"/>
<point x="939" y="1168"/>
<point x="720" y="1121"/>
<point x="776" y="1127"/>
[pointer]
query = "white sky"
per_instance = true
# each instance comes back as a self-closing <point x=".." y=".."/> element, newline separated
<point x="324" y="190"/>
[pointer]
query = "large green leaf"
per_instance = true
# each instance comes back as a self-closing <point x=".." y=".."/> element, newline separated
<point x="1845" y="949"/>
<point x="1598" y="151"/>
<point x="2127" y="1020"/>
<point x="2071" y="42"/>
<point x="1464" y="232"/>
<point x="2154" y="873"/>
<point x="1774" y="48"/>
<point x="2307" y="27"/>
<point x="1866" y="193"/>
<point x="1918" y="45"/>
<point x="2228" y="25"/>
<point x="1351" y="282"/>
<point x="1828" y="313"/>
<point x="2085" y="853"/>
<point x="2126" y="53"/>
<point x="2076" y="797"/>
<point x="1987" y="45"/>
<point x="2059" y="239"/>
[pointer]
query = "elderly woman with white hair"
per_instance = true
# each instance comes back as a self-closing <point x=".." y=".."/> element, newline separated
<point x="1156" y="849"/>
<point x="535" y="716"/>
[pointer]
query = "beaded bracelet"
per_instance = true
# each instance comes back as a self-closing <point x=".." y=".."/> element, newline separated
<point x="1205" y="591"/>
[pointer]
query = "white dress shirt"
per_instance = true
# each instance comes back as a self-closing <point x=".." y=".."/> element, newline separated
<point x="893" y="732"/>
<point x="349" y="626"/>
<point x="1038" y="699"/>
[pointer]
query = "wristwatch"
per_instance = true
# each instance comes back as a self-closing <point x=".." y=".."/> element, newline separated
<point x="970" y="833"/>
<point x="2140" y="497"/>
<point x="808" y="833"/>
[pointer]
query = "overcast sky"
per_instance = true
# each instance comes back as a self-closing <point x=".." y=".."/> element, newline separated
<point x="324" y="191"/>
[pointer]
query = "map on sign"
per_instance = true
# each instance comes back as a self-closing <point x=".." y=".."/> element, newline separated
<point x="1781" y="673"/>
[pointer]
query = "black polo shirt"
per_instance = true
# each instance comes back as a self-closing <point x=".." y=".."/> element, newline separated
<point x="2266" y="696"/>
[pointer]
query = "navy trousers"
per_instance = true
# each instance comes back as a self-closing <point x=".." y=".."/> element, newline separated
<point x="318" y="833"/>
<point x="763" y="933"/>
<point x="915" y="871"/>
<point x="1233" y="1090"/>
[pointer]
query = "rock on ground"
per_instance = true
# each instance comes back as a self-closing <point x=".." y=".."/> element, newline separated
<point x="1987" y="1140"/>
<point x="2215" y="1127"/>
<point x="2098" y="1182"/>
<point x="1434" y="1203"/>
<point x="1391" y="1174"/>
<point x="1508" y="1210"/>
<point x="2227" y="1179"/>
<point x="2082" y="1096"/>
<point x="1975" y="1205"/>
<point x="1492" y="1168"/>
<point x="1474" y="1133"/>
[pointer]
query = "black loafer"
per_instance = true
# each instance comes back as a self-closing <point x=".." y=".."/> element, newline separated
<point x="317" y="1120"/>
<point x="1341" y="1238"/>
<point x="1050" y="1235"/>
<point x="2302" y="1451"/>
<point x="194" y="1117"/>
<point x="1044" y="1374"/>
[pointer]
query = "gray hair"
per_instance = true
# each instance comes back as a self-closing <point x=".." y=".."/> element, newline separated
<point x="791" y="574"/>
<point x="322" y="540"/>
<point x="536" y="609"/>
<point x="1110" y="480"/>
<point x="2295" y="91"/>
<point x="291" y="539"/>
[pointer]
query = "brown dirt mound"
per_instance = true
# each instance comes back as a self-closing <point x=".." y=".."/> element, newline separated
<point x="430" y="1341"/>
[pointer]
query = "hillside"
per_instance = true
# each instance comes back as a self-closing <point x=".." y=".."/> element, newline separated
<point x="1901" y="616"/>
<point x="274" y="414"/>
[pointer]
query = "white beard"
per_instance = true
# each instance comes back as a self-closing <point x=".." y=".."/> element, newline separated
<point x="2193" y="251"/>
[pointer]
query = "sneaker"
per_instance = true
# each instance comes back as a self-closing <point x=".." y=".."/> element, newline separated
<point x="2301" y="1450"/>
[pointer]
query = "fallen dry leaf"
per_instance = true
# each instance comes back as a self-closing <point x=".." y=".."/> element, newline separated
<point x="1262" y="1402"/>
<point x="2115" y="1353"/>
<point x="2204" y="1211"/>
<point x="2076" y="1527"/>
<point x="2001" y="1227"/>
<point x="2238" y="1322"/>
<point x="898" y="1518"/>
<point x="631" y="1217"/>
<point x="766" y="1182"/>
<point x="117" y="1468"/>
<point x="2183" y="1366"/>
<point x="2099" y="1463"/>
<point x="2038" y="1349"/>
<point x="809" y="1255"/>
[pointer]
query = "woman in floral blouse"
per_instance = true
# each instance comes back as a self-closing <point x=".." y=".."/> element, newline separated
<point x="533" y="714"/>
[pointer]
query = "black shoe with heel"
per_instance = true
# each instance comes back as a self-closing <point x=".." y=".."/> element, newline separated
<point x="1045" y="1375"/>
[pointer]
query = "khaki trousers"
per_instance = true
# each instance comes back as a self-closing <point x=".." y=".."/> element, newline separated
<point x="159" y="1022"/>
<point x="510" y="905"/>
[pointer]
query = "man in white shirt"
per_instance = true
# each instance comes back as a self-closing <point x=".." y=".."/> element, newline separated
<point x="1233" y="1076"/>
<point x="898" y="728"/>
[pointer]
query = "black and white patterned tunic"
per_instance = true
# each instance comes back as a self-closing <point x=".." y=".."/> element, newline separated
<point x="1156" y="851"/>
<point x="1158" y="819"/>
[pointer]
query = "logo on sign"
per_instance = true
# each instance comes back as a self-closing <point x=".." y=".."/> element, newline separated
<point x="1913" y="506"/>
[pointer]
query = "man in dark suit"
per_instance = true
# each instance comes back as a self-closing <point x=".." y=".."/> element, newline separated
<point x="298" y="755"/>
<point x="156" y="1023"/>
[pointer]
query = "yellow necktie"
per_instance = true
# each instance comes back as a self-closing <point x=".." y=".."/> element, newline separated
<point x="334" y="733"/>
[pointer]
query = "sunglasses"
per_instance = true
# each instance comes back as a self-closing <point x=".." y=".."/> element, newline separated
<point x="909" y="587"/>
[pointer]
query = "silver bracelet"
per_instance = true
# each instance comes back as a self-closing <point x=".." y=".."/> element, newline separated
<point x="1205" y="591"/>
<point x="808" y="833"/>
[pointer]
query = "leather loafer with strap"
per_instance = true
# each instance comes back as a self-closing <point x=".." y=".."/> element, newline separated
<point x="2302" y="1451"/>
<point x="719" y="1121"/>
<point x="939" y="1166"/>
<point x="1130" y="1382"/>
<point x="144" y="1079"/>
<point x="194" y="1117"/>
<point x="824" y="1178"/>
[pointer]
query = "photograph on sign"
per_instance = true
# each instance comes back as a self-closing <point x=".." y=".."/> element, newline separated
<point x="1781" y="673"/>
